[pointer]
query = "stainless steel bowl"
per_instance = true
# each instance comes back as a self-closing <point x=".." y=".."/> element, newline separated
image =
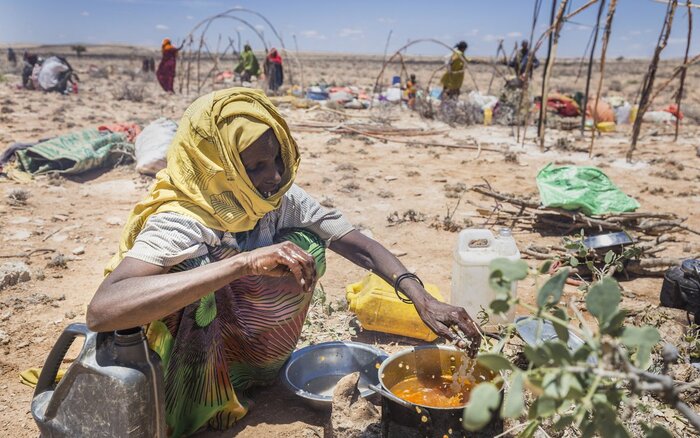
<point x="313" y="372"/>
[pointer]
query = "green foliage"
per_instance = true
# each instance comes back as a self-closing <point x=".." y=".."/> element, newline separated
<point x="570" y="388"/>
<point x="483" y="401"/>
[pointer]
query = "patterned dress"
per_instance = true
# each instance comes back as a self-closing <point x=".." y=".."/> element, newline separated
<point x="241" y="335"/>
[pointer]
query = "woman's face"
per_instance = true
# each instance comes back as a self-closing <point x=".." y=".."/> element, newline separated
<point x="263" y="164"/>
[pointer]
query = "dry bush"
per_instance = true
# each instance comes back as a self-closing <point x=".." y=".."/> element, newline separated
<point x="130" y="92"/>
<point x="615" y="85"/>
<point x="18" y="197"/>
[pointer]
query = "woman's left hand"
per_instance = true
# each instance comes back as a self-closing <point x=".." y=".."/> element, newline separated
<point x="447" y="321"/>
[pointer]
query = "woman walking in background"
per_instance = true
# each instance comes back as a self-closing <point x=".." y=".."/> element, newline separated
<point x="166" y="68"/>
<point x="274" y="70"/>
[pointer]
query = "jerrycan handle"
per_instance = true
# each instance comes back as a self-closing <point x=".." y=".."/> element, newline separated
<point x="473" y="239"/>
<point x="58" y="352"/>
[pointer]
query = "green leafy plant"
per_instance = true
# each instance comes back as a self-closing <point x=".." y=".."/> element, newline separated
<point x="583" y="390"/>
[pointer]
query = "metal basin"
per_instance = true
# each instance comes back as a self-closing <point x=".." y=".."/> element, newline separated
<point x="313" y="372"/>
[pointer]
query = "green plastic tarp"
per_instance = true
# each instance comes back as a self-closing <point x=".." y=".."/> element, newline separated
<point x="582" y="188"/>
<point x="76" y="152"/>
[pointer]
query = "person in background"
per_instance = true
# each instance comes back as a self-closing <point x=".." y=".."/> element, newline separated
<point x="11" y="56"/>
<point x="454" y="76"/>
<point x="221" y="259"/>
<point x="410" y="91"/>
<point x="520" y="60"/>
<point x="248" y="65"/>
<point x="274" y="70"/>
<point x="166" y="68"/>
<point x="30" y="60"/>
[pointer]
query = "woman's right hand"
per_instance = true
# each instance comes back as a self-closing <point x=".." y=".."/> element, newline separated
<point x="282" y="259"/>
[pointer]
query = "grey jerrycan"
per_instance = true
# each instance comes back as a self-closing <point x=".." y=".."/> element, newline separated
<point x="114" y="388"/>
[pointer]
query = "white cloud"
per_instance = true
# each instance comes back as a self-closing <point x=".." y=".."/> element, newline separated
<point x="161" y="27"/>
<point x="491" y="37"/>
<point x="514" y="34"/>
<point x="386" y="20"/>
<point x="312" y="34"/>
<point x="352" y="33"/>
<point x="85" y="13"/>
<point x="189" y="17"/>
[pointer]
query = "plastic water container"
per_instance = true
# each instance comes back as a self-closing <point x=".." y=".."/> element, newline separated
<point x="475" y="250"/>
<point x="378" y="308"/>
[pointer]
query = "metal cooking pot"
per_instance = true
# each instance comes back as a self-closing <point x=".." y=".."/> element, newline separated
<point x="426" y="362"/>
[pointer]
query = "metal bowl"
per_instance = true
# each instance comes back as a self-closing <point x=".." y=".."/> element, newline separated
<point x="313" y="372"/>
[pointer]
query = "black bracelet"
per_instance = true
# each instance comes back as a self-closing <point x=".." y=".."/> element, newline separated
<point x="398" y="281"/>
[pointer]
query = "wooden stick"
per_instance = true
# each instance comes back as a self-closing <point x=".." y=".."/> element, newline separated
<point x="679" y="98"/>
<point x="604" y="49"/>
<point x="650" y="76"/>
<point x="547" y="72"/>
<point x="590" y="66"/>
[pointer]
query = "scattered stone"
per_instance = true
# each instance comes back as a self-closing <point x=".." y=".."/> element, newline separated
<point x="397" y="252"/>
<point x="59" y="217"/>
<point x="39" y="274"/>
<point x="6" y="315"/>
<point x="385" y="194"/>
<point x="19" y="235"/>
<point x="353" y="416"/>
<point x="327" y="202"/>
<point x="79" y="250"/>
<point x="70" y="314"/>
<point x="58" y="261"/>
<point x="23" y="344"/>
<point x="12" y="273"/>
<point x="4" y="338"/>
<point x="112" y="220"/>
<point x="390" y="178"/>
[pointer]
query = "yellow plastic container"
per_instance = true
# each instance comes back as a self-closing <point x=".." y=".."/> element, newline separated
<point x="606" y="126"/>
<point x="378" y="308"/>
<point x="488" y="116"/>
<point x="633" y="113"/>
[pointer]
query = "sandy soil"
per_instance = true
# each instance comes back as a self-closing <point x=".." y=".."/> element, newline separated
<point x="88" y="211"/>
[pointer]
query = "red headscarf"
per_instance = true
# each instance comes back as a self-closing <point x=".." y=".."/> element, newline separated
<point x="275" y="57"/>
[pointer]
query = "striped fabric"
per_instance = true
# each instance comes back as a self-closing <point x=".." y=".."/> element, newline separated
<point x="241" y="335"/>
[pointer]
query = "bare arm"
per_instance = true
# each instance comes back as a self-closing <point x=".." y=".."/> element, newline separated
<point x="440" y="317"/>
<point x="137" y="293"/>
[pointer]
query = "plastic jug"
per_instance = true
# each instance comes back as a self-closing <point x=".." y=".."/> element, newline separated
<point x="113" y="389"/>
<point x="488" y="116"/>
<point x="378" y="308"/>
<point x="475" y="250"/>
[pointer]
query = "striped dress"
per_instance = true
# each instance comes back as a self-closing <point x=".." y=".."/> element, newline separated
<point x="240" y="335"/>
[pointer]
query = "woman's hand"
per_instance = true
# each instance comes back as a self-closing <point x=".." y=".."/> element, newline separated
<point x="448" y="321"/>
<point x="282" y="259"/>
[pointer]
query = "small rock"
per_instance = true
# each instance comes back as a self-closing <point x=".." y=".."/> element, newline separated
<point x="12" y="273"/>
<point x="58" y="261"/>
<point x="6" y="315"/>
<point x="390" y="178"/>
<point x="397" y="252"/>
<point x="70" y="314"/>
<point x="19" y="235"/>
<point x="4" y="338"/>
<point x="112" y="220"/>
<point x="23" y="344"/>
<point x="352" y="416"/>
<point x="59" y="217"/>
<point x="79" y="250"/>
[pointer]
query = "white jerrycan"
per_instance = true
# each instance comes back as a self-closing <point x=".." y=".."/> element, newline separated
<point x="475" y="250"/>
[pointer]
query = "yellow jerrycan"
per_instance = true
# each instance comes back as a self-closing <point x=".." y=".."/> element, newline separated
<point x="378" y="308"/>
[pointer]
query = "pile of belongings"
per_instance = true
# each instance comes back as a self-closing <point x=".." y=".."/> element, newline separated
<point x="93" y="148"/>
<point x="666" y="115"/>
<point x="349" y="97"/>
<point x="54" y="74"/>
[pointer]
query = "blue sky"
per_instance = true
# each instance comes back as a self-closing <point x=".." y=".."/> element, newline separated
<point x="333" y="26"/>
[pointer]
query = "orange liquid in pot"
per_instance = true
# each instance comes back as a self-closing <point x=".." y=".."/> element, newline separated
<point x="440" y="392"/>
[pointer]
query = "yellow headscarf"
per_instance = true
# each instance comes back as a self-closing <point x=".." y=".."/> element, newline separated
<point x="205" y="178"/>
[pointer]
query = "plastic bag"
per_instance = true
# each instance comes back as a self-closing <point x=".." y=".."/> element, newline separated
<point x="582" y="188"/>
<point x="50" y="73"/>
<point x="152" y="146"/>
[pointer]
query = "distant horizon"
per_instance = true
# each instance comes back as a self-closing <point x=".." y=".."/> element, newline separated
<point x="354" y="26"/>
<point x="5" y="46"/>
